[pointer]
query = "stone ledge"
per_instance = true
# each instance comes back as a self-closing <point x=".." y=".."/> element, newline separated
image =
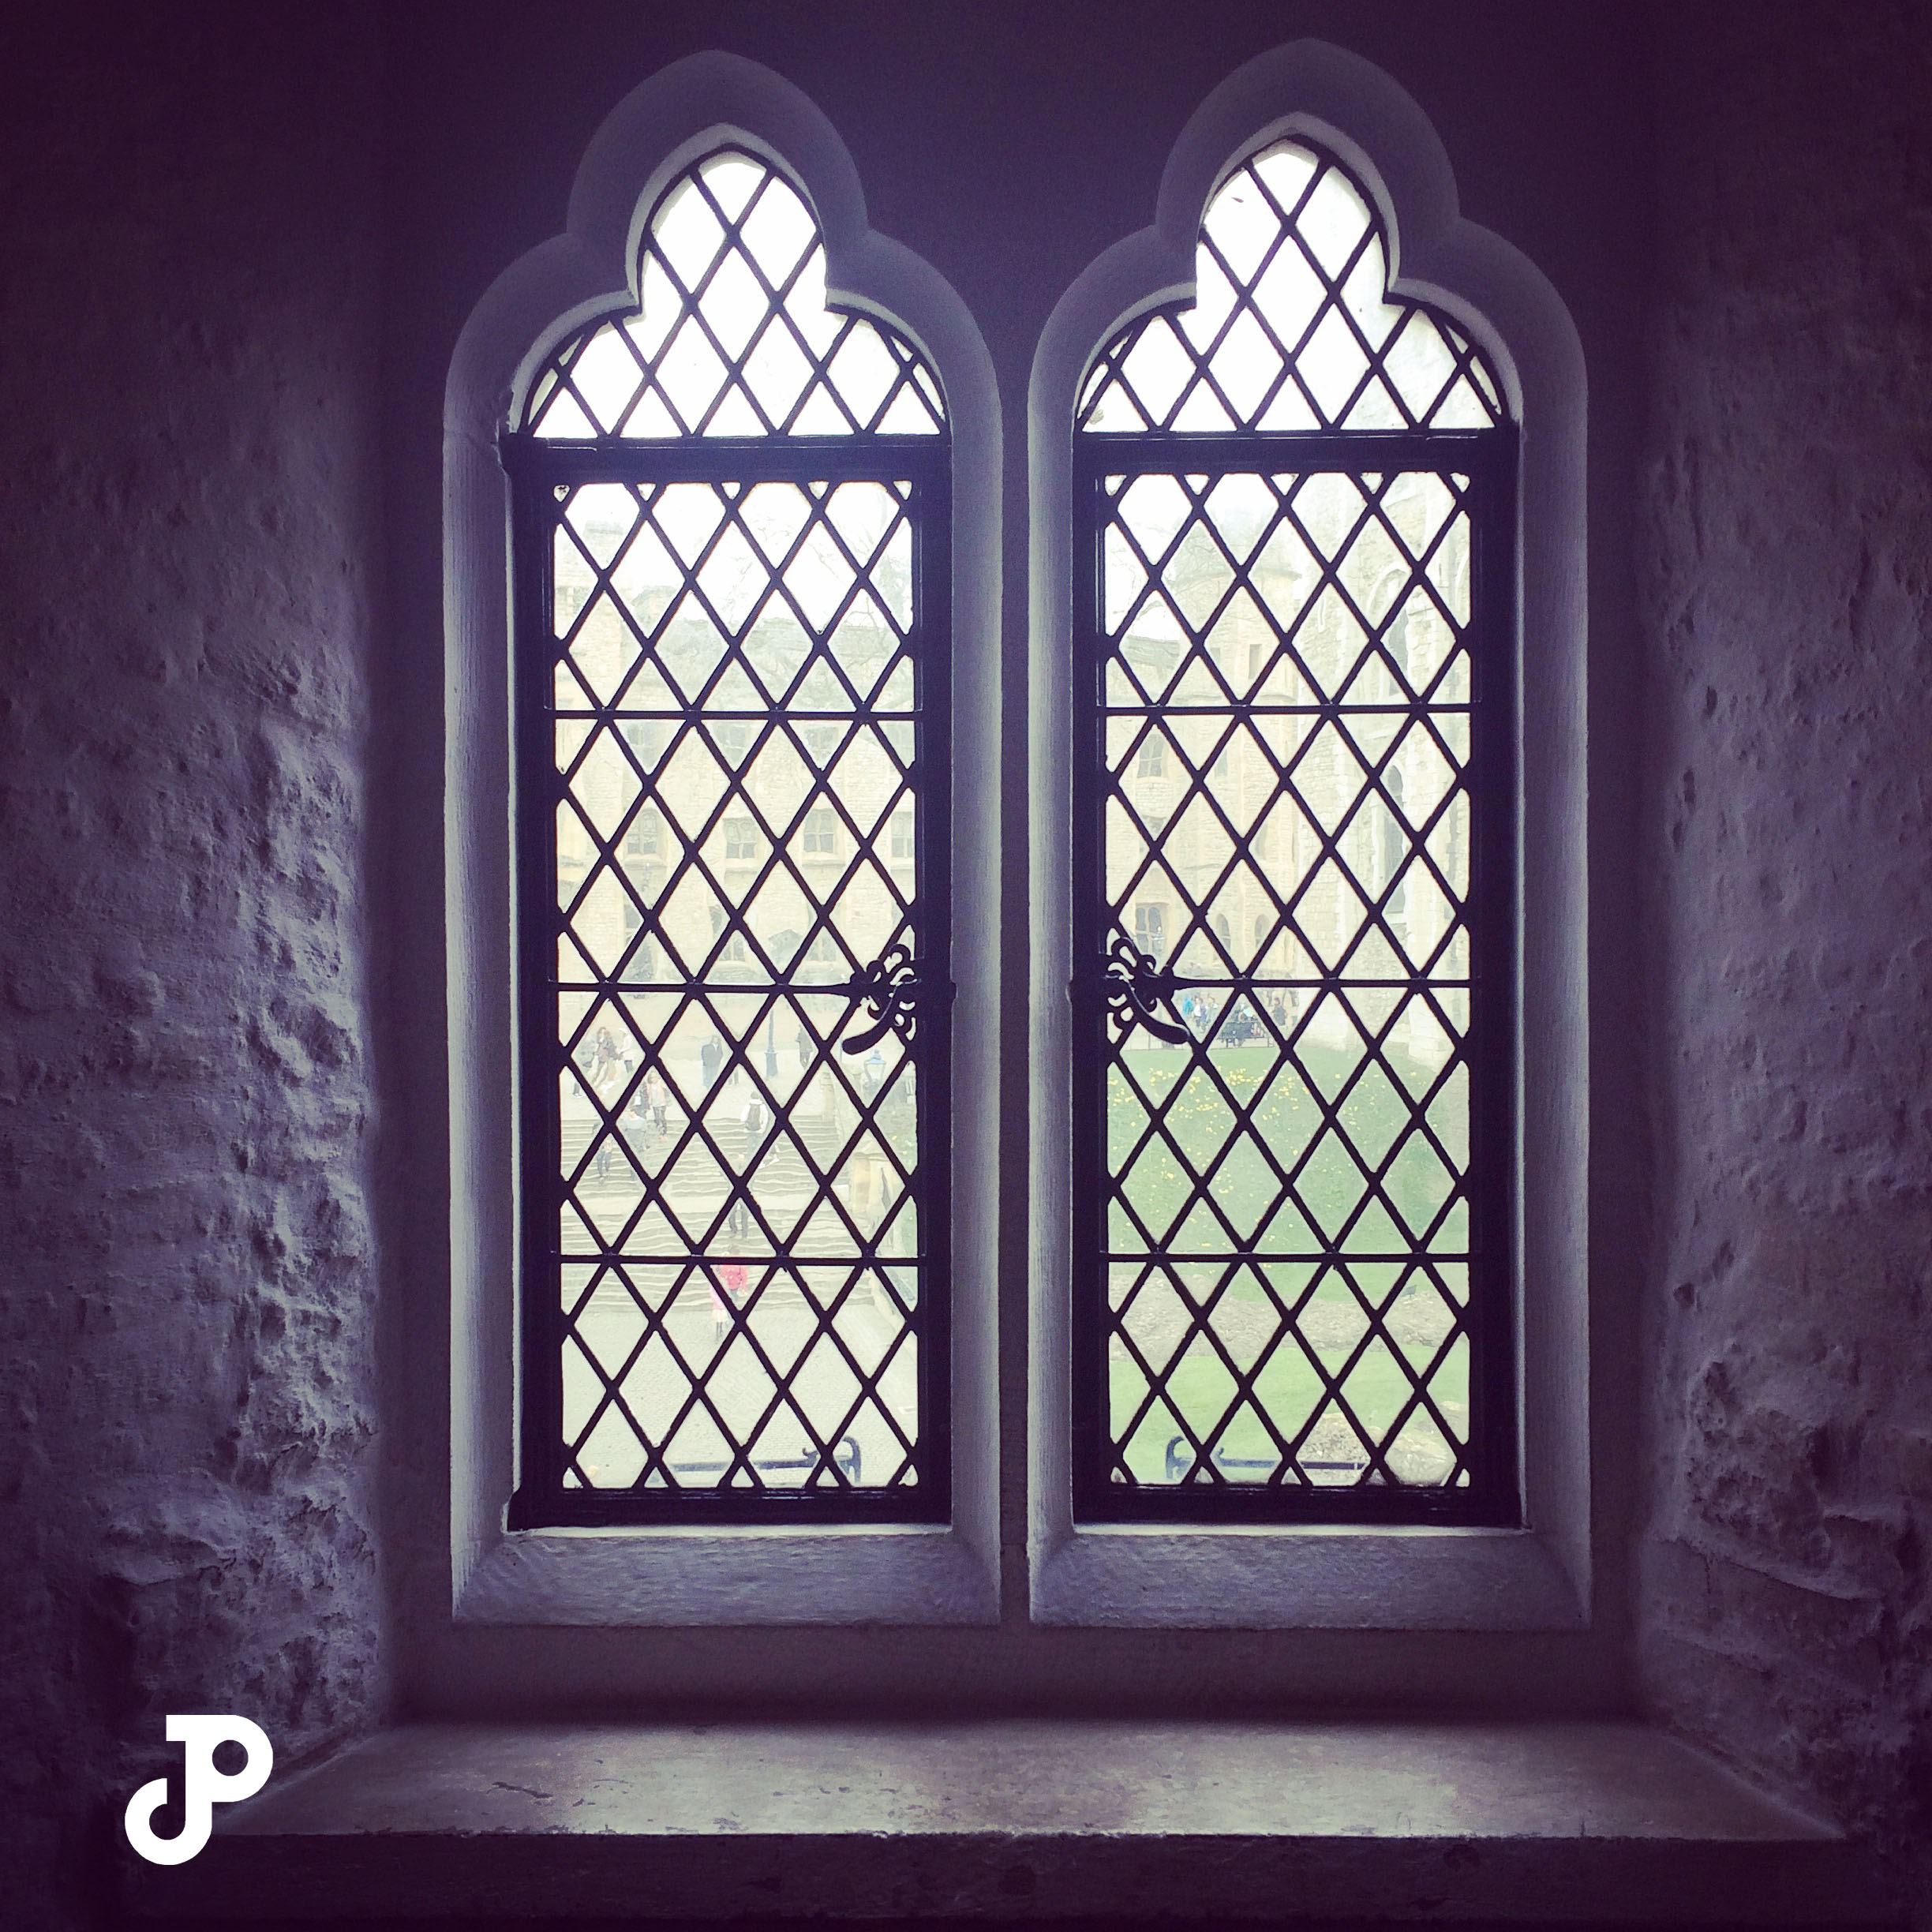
<point x="1022" y="1819"/>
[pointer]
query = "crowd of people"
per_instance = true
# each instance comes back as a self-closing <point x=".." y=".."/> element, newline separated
<point x="1201" y="1013"/>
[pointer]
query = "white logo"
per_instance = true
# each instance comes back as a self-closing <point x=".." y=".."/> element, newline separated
<point x="203" y="1787"/>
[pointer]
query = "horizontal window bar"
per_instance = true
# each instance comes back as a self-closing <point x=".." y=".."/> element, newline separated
<point x="860" y="458"/>
<point x="1421" y="708"/>
<point x="1257" y="452"/>
<point x="1242" y="1256"/>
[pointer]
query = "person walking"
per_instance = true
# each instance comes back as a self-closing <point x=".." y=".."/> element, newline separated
<point x="756" y="1121"/>
<point x="732" y="1280"/>
<point x="751" y="1121"/>
<point x="606" y="1080"/>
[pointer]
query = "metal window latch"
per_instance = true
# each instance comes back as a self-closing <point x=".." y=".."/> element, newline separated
<point x="894" y="989"/>
<point x="1131" y="983"/>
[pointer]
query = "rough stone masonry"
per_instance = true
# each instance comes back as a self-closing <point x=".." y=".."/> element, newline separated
<point x="186" y="1500"/>
<point x="1786" y="554"/>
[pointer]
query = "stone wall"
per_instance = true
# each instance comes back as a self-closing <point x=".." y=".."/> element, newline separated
<point x="1787" y="553"/>
<point x="187" y="304"/>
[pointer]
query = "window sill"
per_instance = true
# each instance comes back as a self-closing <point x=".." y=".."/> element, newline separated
<point x="846" y="1575"/>
<point x="1032" y="1819"/>
<point x="1159" y="1577"/>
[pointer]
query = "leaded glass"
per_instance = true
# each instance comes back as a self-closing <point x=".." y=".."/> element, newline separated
<point x="1292" y="327"/>
<point x="731" y="336"/>
<point x="1291" y="851"/>
<point x="732" y="707"/>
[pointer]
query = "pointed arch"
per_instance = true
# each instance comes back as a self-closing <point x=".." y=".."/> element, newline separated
<point x="1292" y="326"/>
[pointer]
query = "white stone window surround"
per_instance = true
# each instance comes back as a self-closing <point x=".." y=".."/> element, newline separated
<point x="1537" y="1578"/>
<point x="908" y="1574"/>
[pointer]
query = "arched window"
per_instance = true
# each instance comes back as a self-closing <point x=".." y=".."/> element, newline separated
<point x="1295" y="521"/>
<point x="732" y="688"/>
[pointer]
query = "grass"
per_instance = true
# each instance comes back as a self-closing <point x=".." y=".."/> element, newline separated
<point x="1293" y="1119"/>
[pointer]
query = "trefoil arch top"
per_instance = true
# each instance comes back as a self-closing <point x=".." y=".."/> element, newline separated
<point x="1293" y="327"/>
<point x="730" y="335"/>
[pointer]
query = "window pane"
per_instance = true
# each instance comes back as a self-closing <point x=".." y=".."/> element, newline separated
<point x="1292" y="327"/>
<point x="733" y="1052"/>
<point x="733" y="337"/>
<point x="1284" y="741"/>
<point x="739" y="1219"/>
<point x="1292" y="1046"/>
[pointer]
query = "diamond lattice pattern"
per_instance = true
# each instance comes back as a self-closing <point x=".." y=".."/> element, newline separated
<point x="1292" y="326"/>
<point x="731" y="336"/>
<point x="1285" y="724"/>
<point x="736" y="719"/>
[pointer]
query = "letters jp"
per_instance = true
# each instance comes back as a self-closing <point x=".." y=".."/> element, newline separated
<point x="203" y="1787"/>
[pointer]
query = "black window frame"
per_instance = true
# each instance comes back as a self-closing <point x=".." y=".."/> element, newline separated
<point x="915" y="1000"/>
<point x="1489" y="459"/>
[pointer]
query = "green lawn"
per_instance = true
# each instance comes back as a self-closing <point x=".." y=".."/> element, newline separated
<point x="1287" y="1117"/>
<point x="1199" y="1392"/>
<point x="1287" y="1120"/>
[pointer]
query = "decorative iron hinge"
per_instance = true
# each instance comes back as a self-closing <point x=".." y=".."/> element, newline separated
<point x="1132" y="981"/>
<point x="893" y="987"/>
